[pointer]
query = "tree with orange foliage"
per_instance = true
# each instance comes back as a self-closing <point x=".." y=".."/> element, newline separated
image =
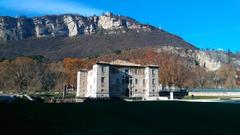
<point x="71" y="66"/>
<point x="150" y="56"/>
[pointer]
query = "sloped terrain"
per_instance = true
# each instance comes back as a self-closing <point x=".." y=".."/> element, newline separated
<point x="89" y="45"/>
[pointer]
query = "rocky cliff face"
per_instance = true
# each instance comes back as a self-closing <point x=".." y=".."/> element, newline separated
<point x="211" y="60"/>
<point x="79" y="36"/>
<point x="67" y="25"/>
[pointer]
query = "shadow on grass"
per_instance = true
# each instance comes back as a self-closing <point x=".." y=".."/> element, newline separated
<point x="118" y="118"/>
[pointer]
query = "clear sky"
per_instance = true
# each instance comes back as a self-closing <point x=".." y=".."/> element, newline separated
<point x="204" y="23"/>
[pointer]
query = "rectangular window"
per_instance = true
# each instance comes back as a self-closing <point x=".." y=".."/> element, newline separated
<point x="102" y="79"/>
<point x="136" y="71"/>
<point x="136" y="81"/>
<point x="126" y="70"/>
<point x="153" y="81"/>
<point x="130" y="81"/>
<point x="153" y="72"/>
<point x="144" y="81"/>
<point x="103" y="69"/>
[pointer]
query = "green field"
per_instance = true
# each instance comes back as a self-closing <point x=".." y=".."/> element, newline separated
<point x="202" y="97"/>
<point x="120" y="118"/>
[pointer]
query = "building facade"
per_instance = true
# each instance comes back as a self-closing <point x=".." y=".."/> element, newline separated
<point x="118" y="79"/>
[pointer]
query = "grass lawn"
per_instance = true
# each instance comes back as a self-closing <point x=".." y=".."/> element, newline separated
<point x="120" y="118"/>
<point x="208" y="97"/>
<point x="201" y="97"/>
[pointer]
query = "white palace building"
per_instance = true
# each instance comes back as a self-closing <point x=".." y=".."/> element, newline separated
<point x="118" y="79"/>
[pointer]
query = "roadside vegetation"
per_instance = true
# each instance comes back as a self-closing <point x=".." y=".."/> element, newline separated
<point x="37" y="74"/>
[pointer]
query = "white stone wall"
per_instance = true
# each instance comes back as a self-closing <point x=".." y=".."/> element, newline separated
<point x="106" y="80"/>
<point x="138" y="88"/>
<point x="102" y="88"/>
<point x="152" y="82"/>
<point x="119" y="83"/>
<point x="91" y="86"/>
<point x="82" y="83"/>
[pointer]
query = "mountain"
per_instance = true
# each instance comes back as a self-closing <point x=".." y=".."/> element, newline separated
<point x="69" y="35"/>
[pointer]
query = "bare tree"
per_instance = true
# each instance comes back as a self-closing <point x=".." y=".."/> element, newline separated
<point x="173" y="70"/>
<point x="22" y="70"/>
<point x="202" y="77"/>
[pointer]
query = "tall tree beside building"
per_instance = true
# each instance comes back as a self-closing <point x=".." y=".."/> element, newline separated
<point x="228" y="74"/>
<point x="71" y="66"/>
<point x="53" y="76"/>
<point x="201" y="77"/>
<point x="173" y="70"/>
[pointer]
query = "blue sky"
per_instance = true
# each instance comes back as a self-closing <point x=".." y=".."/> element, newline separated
<point x="204" y="23"/>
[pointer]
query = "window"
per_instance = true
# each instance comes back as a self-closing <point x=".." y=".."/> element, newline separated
<point x="143" y="90"/>
<point x="144" y="81"/>
<point x="153" y="72"/>
<point x="136" y="90"/>
<point x="126" y="70"/>
<point x="153" y="90"/>
<point x="153" y="81"/>
<point x="102" y="90"/>
<point x="103" y="69"/>
<point x="131" y="93"/>
<point x="136" y="81"/>
<point x="102" y="79"/>
<point x="130" y="81"/>
<point x="136" y="71"/>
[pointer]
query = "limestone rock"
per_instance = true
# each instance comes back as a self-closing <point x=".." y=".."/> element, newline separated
<point x="67" y="25"/>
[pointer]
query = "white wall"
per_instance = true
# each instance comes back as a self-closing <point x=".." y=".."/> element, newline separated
<point x="152" y="90"/>
<point x="78" y="84"/>
<point x="102" y="70"/>
<point x="95" y="87"/>
<point x="82" y="83"/>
